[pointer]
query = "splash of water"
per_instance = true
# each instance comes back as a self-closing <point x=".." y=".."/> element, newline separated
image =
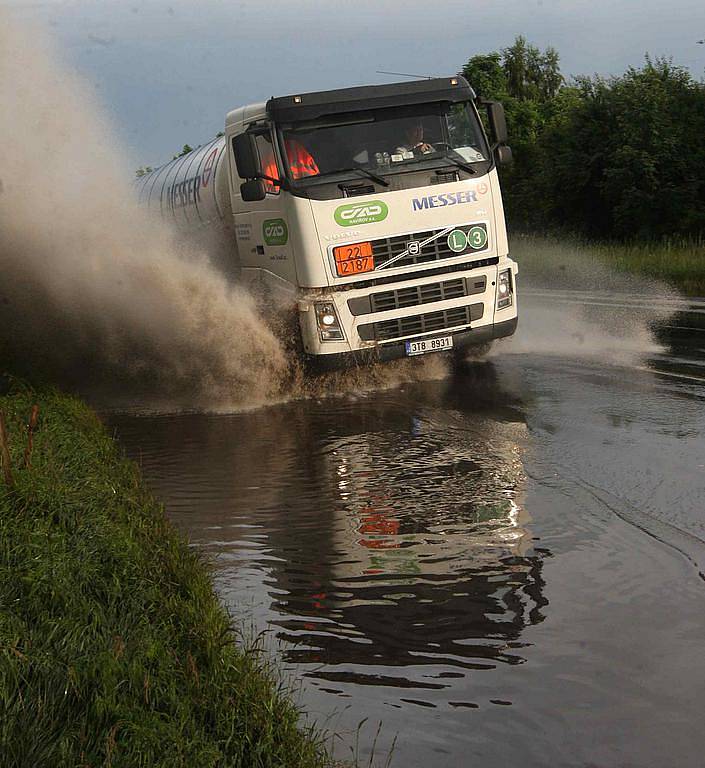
<point x="94" y="287"/>
<point x="92" y="283"/>
<point x="574" y="304"/>
<point x="89" y="280"/>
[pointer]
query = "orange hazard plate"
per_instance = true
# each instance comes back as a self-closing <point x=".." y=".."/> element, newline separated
<point x="353" y="259"/>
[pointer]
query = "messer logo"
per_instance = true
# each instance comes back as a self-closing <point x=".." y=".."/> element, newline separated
<point x="361" y="213"/>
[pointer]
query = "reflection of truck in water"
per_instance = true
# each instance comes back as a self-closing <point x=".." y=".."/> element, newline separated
<point x="375" y="211"/>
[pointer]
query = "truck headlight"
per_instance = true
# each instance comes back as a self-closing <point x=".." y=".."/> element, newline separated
<point x="328" y="323"/>
<point x="505" y="290"/>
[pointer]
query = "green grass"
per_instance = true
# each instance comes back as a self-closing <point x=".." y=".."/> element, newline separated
<point x="680" y="264"/>
<point x="114" y="650"/>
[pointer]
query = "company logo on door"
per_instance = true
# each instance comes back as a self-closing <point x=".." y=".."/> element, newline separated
<point x="275" y="232"/>
<point x="361" y="213"/>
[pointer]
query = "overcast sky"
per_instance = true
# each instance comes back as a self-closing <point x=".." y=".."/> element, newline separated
<point x="169" y="70"/>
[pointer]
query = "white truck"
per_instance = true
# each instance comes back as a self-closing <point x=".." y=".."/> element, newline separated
<point x="374" y="213"/>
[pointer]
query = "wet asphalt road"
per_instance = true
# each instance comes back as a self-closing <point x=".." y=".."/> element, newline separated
<point x="504" y="567"/>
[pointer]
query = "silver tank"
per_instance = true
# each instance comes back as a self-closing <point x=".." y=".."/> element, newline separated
<point x="192" y="190"/>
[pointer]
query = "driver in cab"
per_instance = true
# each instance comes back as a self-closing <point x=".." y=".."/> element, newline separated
<point x="414" y="143"/>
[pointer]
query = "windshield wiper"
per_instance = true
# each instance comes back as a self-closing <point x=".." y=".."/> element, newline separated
<point x="428" y="158"/>
<point x="370" y="175"/>
<point x="460" y="164"/>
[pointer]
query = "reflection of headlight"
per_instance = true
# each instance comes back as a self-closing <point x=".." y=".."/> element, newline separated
<point x="327" y="321"/>
<point x="504" y="289"/>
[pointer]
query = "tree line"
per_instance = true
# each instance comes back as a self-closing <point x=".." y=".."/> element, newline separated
<point x="610" y="158"/>
<point x="606" y="158"/>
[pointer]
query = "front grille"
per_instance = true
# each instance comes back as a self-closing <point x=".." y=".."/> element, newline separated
<point x="386" y="248"/>
<point x="417" y="294"/>
<point x="418" y="324"/>
<point x="411" y="296"/>
<point x="373" y="279"/>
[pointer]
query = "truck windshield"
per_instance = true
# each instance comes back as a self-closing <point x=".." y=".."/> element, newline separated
<point x="384" y="141"/>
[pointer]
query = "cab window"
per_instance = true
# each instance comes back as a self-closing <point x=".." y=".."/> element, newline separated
<point x="268" y="161"/>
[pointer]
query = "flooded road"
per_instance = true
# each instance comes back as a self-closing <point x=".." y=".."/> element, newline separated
<point x="503" y="566"/>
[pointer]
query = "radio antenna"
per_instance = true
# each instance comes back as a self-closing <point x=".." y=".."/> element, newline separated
<point x="405" y="74"/>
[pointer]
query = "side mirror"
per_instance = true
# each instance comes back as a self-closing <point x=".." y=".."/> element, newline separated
<point x="498" y="123"/>
<point x="503" y="154"/>
<point x="253" y="190"/>
<point x="246" y="157"/>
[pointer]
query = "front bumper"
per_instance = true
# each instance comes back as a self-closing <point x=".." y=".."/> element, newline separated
<point x="385" y="310"/>
<point x="469" y="337"/>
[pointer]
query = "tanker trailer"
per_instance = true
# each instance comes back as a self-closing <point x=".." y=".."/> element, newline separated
<point x="374" y="214"/>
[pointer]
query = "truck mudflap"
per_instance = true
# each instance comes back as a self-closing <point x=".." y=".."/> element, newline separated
<point x="470" y="337"/>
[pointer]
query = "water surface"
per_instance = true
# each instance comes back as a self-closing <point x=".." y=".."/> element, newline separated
<point x="502" y="567"/>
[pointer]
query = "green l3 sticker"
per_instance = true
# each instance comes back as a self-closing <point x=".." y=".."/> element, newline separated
<point x="477" y="237"/>
<point x="457" y="241"/>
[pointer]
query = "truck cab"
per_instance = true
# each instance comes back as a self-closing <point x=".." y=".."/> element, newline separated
<point x="376" y="211"/>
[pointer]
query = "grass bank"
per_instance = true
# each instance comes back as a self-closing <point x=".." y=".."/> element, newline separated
<point x="114" y="650"/>
<point x="679" y="264"/>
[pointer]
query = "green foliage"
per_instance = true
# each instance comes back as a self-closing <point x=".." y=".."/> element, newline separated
<point x="562" y="261"/>
<point x="114" y="650"/>
<point x="143" y="170"/>
<point x="628" y="158"/>
<point x="525" y="81"/>
<point x="487" y="76"/>
<point x="531" y="75"/>
<point x="605" y="158"/>
<point x="185" y="151"/>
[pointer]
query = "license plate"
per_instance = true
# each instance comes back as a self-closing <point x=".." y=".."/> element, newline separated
<point x="422" y="346"/>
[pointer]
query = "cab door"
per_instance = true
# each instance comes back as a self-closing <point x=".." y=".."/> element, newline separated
<point x="262" y="228"/>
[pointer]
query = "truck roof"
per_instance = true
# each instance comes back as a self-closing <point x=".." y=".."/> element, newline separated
<point x="308" y="106"/>
<point x="247" y="113"/>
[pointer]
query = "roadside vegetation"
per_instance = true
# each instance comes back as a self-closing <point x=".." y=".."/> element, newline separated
<point x="114" y="650"/>
<point x="617" y="162"/>
<point x="572" y="262"/>
<point x="680" y="264"/>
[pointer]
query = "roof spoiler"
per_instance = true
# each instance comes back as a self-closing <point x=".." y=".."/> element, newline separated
<point x="309" y="106"/>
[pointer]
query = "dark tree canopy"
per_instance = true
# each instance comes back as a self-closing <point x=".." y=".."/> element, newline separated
<point x="611" y="158"/>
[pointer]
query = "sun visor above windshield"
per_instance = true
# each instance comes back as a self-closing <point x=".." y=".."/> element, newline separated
<point x="309" y="106"/>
